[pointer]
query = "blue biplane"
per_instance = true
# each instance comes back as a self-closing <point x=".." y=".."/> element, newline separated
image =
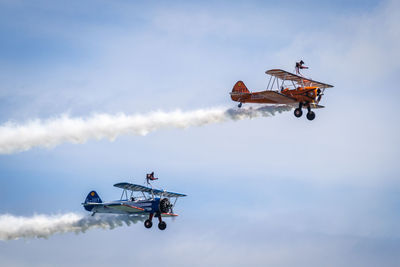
<point x="154" y="202"/>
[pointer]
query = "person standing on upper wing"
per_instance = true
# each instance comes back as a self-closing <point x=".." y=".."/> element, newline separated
<point x="150" y="177"/>
<point x="299" y="65"/>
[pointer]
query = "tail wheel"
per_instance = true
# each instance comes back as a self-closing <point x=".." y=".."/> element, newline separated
<point x="240" y="105"/>
<point x="148" y="224"/>
<point x="298" y="112"/>
<point x="310" y="115"/>
<point x="162" y="225"/>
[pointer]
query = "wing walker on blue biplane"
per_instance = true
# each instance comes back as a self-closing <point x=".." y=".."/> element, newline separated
<point x="148" y="201"/>
<point x="291" y="89"/>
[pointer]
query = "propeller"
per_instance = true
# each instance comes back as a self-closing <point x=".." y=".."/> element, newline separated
<point x="319" y="97"/>
<point x="172" y="211"/>
<point x="319" y="94"/>
<point x="170" y="206"/>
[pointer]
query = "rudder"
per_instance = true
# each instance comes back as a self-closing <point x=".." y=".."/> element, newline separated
<point x="239" y="87"/>
<point x="93" y="197"/>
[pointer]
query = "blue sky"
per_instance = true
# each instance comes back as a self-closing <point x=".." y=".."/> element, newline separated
<point x="280" y="191"/>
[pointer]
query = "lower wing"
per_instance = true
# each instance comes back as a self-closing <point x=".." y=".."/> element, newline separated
<point x="277" y="97"/>
<point x="125" y="208"/>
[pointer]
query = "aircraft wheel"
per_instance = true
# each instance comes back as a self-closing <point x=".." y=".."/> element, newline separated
<point x="162" y="225"/>
<point x="298" y="112"/>
<point x="310" y="115"/>
<point x="240" y="105"/>
<point x="148" y="224"/>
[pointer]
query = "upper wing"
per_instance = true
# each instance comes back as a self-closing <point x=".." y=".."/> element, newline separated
<point x="133" y="187"/>
<point x="167" y="193"/>
<point x="141" y="188"/>
<point x="285" y="75"/>
<point x="277" y="97"/>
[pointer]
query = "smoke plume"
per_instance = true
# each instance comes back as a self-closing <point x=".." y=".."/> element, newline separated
<point x="51" y="132"/>
<point x="43" y="226"/>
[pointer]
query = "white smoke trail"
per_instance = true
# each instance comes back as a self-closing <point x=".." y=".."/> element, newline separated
<point x="49" y="133"/>
<point x="43" y="226"/>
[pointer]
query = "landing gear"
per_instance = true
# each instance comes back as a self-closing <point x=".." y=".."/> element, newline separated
<point x="298" y="112"/>
<point x="310" y="115"/>
<point x="240" y="105"/>
<point x="148" y="223"/>
<point x="162" y="225"/>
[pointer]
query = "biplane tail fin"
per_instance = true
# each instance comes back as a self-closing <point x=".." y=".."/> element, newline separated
<point x="93" y="197"/>
<point x="239" y="87"/>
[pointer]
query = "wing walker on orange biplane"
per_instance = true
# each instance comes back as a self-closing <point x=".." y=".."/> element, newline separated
<point x="294" y="90"/>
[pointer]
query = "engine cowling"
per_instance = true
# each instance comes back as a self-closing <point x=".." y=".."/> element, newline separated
<point x="165" y="205"/>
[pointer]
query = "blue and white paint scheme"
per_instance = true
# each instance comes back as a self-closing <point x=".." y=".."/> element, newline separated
<point x="154" y="202"/>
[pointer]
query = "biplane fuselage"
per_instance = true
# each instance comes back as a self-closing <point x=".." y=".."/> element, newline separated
<point x="125" y="206"/>
<point x="301" y="92"/>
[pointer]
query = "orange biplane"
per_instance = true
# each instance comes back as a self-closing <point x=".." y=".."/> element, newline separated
<point x="292" y="89"/>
